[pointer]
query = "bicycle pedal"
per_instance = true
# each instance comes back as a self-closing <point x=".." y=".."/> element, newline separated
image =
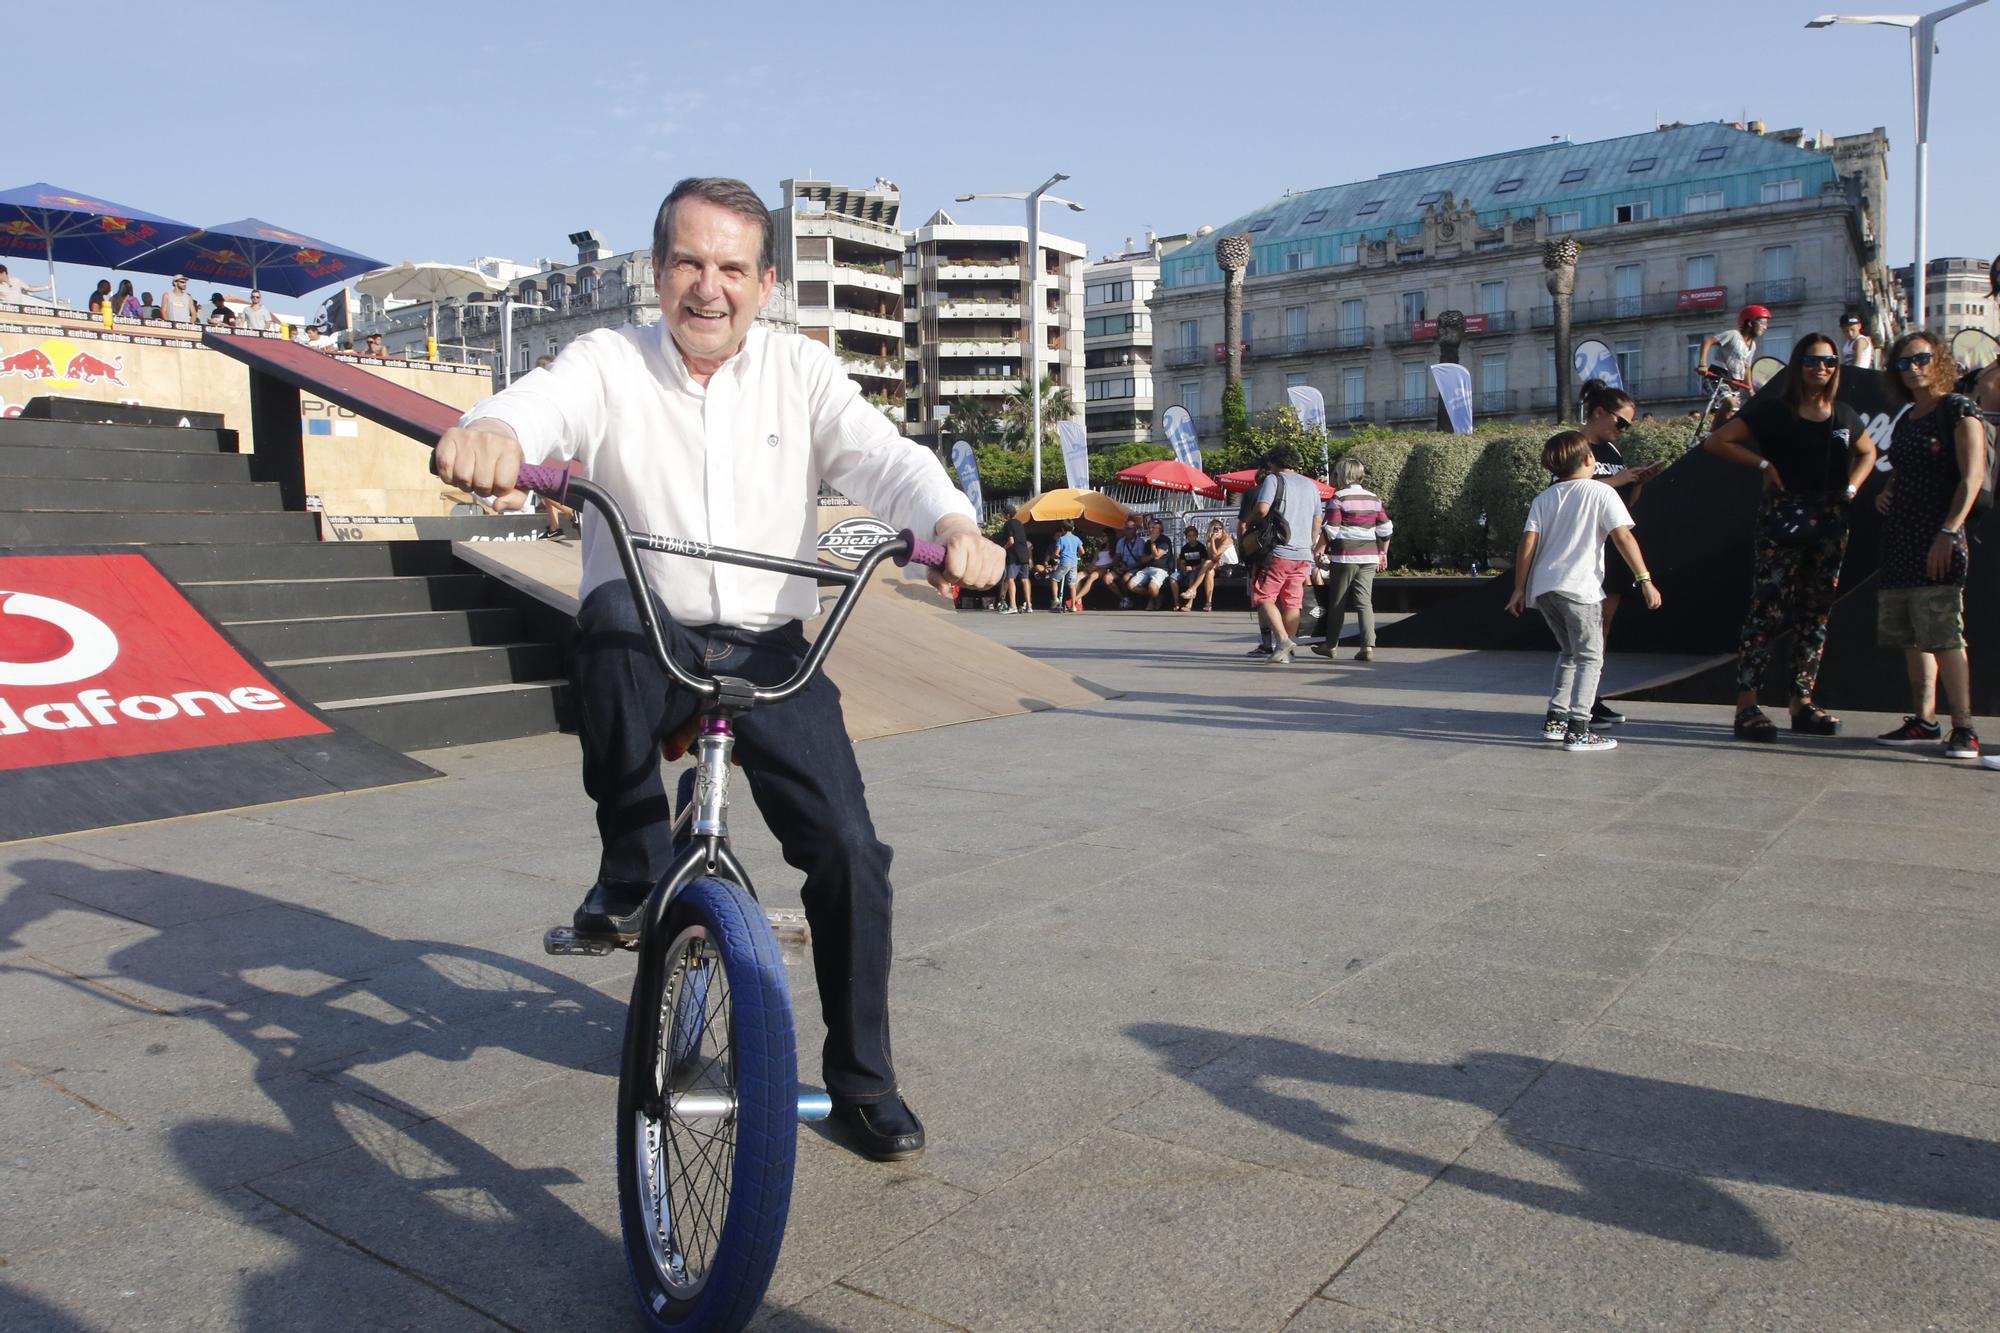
<point x="794" y="935"/>
<point x="565" y="940"/>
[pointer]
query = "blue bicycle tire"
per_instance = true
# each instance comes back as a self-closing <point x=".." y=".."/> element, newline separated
<point x="763" y="1070"/>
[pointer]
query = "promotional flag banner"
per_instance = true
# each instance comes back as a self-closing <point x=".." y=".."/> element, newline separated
<point x="1179" y="429"/>
<point x="1594" y="361"/>
<point x="1454" y="384"/>
<point x="967" y="468"/>
<point x="1310" y="405"/>
<point x="1076" y="455"/>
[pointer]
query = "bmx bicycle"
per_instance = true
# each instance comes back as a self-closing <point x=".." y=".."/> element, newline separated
<point x="708" y="1093"/>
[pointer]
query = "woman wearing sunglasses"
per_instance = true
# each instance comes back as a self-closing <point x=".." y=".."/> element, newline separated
<point x="1607" y="415"/>
<point x="1813" y="453"/>
<point x="1938" y="451"/>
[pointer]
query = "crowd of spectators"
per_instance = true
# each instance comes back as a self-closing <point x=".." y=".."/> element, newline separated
<point x="176" y="305"/>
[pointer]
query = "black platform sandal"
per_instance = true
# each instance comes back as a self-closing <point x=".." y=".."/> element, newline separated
<point x="1814" y="721"/>
<point x="1752" y="725"/>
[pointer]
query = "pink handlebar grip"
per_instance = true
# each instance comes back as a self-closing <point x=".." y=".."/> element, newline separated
<point x="928" y="554"/>
<point x="549" y="481"/>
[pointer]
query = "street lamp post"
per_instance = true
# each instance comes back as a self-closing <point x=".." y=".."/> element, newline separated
<point x="1923" y="44"/>
<point x="1034" y="340"/>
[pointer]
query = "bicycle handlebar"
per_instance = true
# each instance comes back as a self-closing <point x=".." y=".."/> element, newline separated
<point x="559" y="484"/>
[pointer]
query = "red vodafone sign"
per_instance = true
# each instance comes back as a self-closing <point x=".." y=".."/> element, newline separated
<point x="101" y="656"/>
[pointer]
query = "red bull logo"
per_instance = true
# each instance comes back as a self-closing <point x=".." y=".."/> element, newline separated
<point x="287" y="237"/>
<point x="74" y="201"/>
<point x="319" y="264"/>
<point x="126" y="232"/>
<point x="62" y="363"/>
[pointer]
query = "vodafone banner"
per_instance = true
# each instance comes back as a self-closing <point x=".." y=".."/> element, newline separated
<point x="101" y="657"/>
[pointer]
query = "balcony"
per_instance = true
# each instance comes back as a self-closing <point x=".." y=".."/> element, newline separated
<point x="1542" y="398"/>
<point x="977" y="347"/>
<point x="1496" y="402"/>
<point x="870" y="367"/>
<point x="964" y="272"/>
<point x="1179" y="357"/>
<point x="870" y="277"/>
<point x="1687" y="388"/>
<point x="851" y="319"/>
<point x="1308" y="344"/>
<point x="979" y="388"/>
<point x="1777" y="291"/>
<point x="1651" y="305"/>
<point x="978" y="309"/>
<point x="1409" y="409"/>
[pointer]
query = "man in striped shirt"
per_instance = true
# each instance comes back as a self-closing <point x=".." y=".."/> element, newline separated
<point x="1355" y="538"/>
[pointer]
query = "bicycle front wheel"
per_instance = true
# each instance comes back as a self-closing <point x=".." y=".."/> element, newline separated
<point x="707" y="1112"/>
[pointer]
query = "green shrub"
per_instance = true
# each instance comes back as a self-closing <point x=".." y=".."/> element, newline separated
<point x="1235" y="417"/>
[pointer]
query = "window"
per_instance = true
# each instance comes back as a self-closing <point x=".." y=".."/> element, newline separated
<point x="1641" y="164"/>
<point x="1261" y="224"/>
<point x="1711" y="154"/>
<point x="1569" y="220"/>
<point x="1246" y="326"/>
<point x="554" y="347"/>
<point x="1354" y="391"/>
<point x="1104" y="293"/>
<point x="1700" y="272"/>
<point x="1701" y="201"/>
<point x="1777" y="192"/>
<point x="1298" y="379"/>
<point x="1098" y="326"/>
<point x="1430" y="198"/>
<point x="1628" y="286"/>
<point x="1493" y="298"/>
<point x="1777" y="263"/>
<point x="1636" y="211"/>
<point x="1508" y="186"/>
<point x="1416" y="379"/>
<point x="1631" y="356"/>
<point x="1693" y="362"/>
<point x="1372" y="206"/>
<point x="1191" y="397"/>
<point x="1190" y="333"/>
<point x="1298" y="259"/>
<point x="1493" y="373"/>
<point x="1777" y="342"/>
<point x="1295" y="328"/>
<point x="1317" y="215"/>
<point x="1111" y="388"/>
<point x="1351" y="311"/>
<point x="1413" y="307"/>
<point x="1350" y="252"/>
<point x="1573" y="175"/>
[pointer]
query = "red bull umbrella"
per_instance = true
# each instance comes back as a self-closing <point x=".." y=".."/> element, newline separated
<point x="44" y="221"/>
<point x="256" y="254"/>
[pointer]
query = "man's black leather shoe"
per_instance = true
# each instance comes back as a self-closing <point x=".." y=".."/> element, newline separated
<point x="886" y="1131"/>
<point x="611" y="909"/>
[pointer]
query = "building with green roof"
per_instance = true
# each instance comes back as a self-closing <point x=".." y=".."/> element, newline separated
<point x="1679" y="227"/>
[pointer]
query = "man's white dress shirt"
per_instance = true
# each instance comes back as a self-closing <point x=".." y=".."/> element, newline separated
<point x="738" y="463"/>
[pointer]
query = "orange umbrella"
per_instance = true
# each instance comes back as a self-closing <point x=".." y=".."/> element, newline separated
<point x="1238" y="482"/>
<point x="1076" y="505"/>
<point x="1170" y="474"/>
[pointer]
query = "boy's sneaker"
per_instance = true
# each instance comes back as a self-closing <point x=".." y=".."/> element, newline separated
<point x="1963" y="743"/>
<point x="1555" y="727"/>
<point x="1914" y="731"/>
<point x="1281" y="656"/>
<point x="1604" y="715"/>
<point x="1578" y="742"/>
<point x="1008" y="610"/>
<point x="1261" y="650"/>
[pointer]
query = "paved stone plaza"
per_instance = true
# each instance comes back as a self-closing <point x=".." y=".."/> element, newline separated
<point x="1320" y="998"/>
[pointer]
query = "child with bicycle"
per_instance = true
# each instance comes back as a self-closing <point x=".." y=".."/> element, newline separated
<point x="1064" y="558"/>
<point x="1560" y="569"/>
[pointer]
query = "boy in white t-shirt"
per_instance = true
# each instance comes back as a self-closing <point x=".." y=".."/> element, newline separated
<point x="1560" y="568"/>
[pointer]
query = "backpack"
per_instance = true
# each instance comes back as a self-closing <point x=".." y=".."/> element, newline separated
<point x="1258" y="539"/>
<point x="1960" y="408"/>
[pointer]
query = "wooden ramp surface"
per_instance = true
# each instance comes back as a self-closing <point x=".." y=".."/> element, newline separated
<point x="901" y="664"/>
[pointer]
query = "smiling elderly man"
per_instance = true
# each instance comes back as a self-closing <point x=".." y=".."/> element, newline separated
<point x="706" y="427"/>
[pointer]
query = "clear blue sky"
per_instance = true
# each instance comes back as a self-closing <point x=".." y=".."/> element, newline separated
<point x="442" y="131"/>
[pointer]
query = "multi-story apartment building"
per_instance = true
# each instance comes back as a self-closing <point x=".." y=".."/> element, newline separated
<point x="840" y="251"/>
<point x="554" y="305"/>
<point x="1118" y="342"/>
<point x="1678" y="229"/>
<point x="967" y="293"/>
<point x="1958" y="295"/>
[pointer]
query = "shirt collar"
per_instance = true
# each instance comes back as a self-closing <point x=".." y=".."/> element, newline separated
<point x="753" y="348"/>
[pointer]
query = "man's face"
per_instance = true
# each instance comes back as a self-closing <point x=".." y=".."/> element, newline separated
<point x="710" y="286"/>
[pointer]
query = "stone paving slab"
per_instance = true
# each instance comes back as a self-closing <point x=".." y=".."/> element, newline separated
<point x="1318" y="998"/>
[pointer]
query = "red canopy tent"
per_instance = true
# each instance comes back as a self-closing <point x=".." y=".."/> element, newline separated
<point x="1167" y="474"/>
<point x="1238" y="482"/>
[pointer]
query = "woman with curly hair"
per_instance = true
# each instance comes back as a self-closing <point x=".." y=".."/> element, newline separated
<point x="1812" y="453"/>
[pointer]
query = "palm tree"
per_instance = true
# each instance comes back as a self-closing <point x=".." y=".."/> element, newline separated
<point x="1016" y="412"/>
<point x="973" y="420"/>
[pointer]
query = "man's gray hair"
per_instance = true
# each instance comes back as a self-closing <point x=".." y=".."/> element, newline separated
<point x="1349" y="471"/>
<point x="724" y="192"/>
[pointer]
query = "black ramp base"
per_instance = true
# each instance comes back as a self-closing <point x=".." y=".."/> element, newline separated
<point x="69" y="798"/>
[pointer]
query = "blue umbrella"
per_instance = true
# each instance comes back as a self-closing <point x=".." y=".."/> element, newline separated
<point x="255" y="254"/>
<point x="49" y="222"/>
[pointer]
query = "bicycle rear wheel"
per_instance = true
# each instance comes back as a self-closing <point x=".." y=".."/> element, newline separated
<point x="707" y="1112"/>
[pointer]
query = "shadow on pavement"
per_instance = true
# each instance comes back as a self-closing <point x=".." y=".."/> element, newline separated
<point x="1708" y="1134"/>
<point x="382" y="1175"/>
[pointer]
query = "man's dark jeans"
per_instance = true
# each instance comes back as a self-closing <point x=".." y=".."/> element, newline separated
<point x="802" y="775"/>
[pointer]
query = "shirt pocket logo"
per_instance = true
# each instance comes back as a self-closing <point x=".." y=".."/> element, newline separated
<point x="771" y="440"/>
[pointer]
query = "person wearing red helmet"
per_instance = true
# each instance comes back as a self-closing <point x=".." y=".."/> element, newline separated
<point x="1734" y="349"/>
